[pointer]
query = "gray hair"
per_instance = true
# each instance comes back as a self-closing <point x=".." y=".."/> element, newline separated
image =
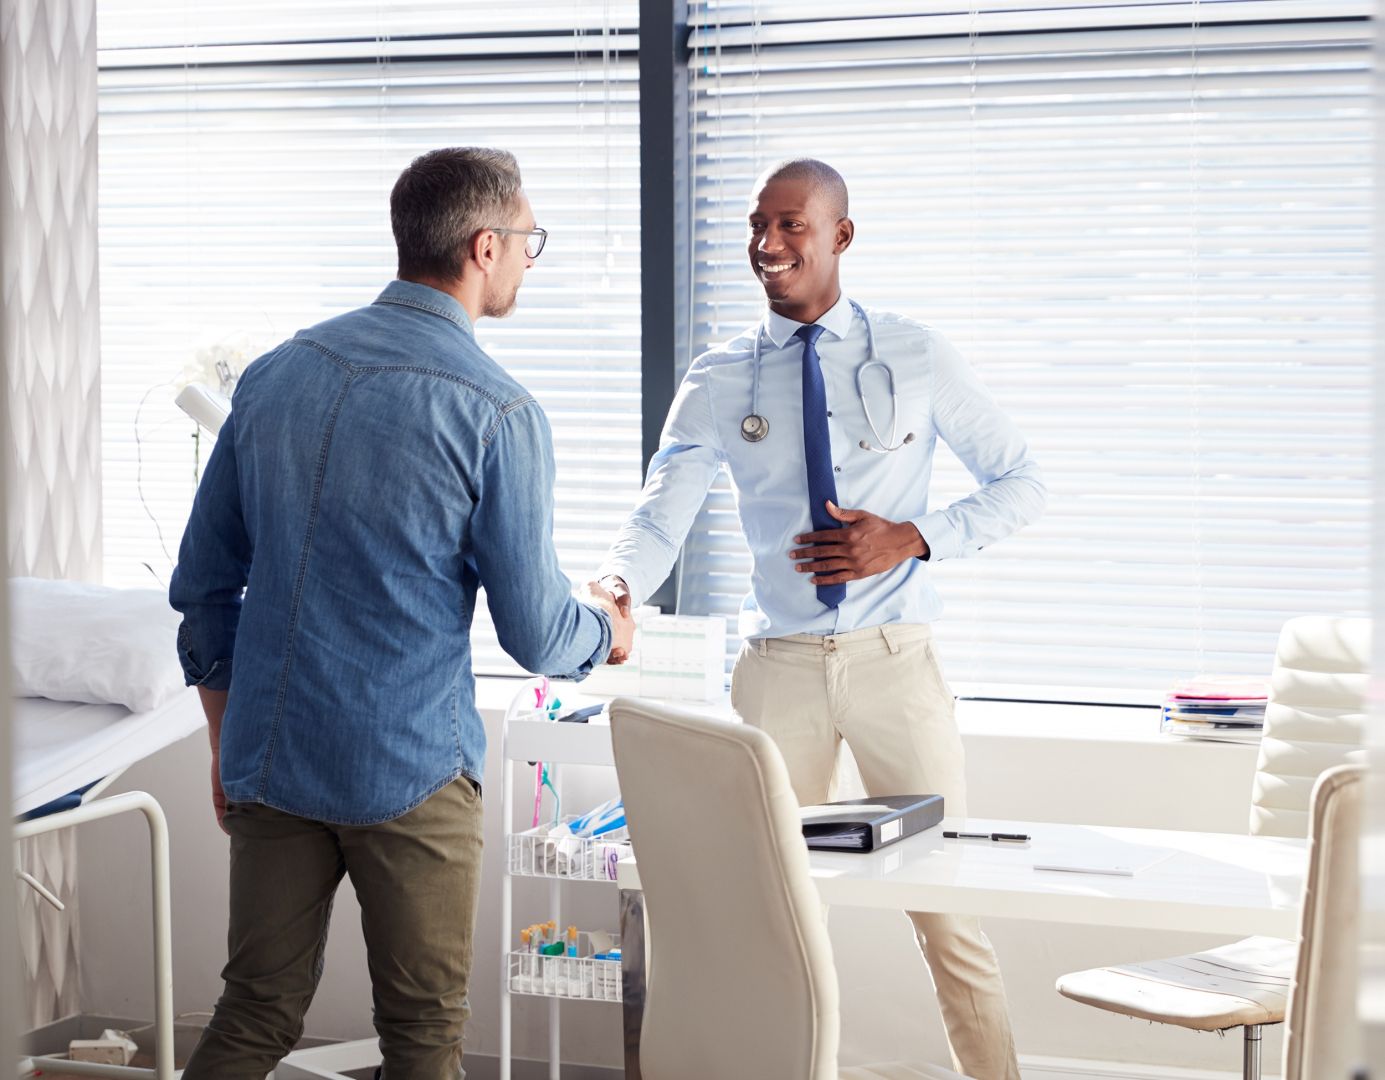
<point x="443" y="199"/>
<point x="825" y="180"/>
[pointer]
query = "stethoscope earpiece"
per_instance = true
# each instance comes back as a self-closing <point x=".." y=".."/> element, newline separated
<point x="889" y="449"/>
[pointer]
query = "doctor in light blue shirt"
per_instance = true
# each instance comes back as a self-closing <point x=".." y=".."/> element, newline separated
<point x="831" y="486"/>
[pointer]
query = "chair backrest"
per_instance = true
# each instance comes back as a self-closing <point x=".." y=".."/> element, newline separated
<point x="1314" y="718"/>
<point x="741" y="983"/>
<point x="1322" y="1036"/>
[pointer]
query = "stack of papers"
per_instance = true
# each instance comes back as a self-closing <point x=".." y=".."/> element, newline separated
<point x="1230" y="708"/>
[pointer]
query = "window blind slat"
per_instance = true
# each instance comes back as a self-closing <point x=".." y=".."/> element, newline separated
<point x="1155" y="246"/>
<point x="242" y="203"/>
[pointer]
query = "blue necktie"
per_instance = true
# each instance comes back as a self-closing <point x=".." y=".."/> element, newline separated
<point x="817" y="449"/>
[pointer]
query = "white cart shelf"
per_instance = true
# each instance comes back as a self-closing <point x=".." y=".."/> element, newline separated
<point x="571" y="978"/>
<point x="531" y="854"/>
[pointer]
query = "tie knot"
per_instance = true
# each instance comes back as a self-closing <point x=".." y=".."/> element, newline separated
<point x="809" y="334"/>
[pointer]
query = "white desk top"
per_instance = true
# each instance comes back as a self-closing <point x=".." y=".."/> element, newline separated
<point x="1211" y="883"/>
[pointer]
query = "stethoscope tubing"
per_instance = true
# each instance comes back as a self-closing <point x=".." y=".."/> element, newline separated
<point x="871" y="361"/>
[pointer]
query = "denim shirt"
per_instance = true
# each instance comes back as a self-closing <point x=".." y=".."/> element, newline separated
<point x="374" y="471"/>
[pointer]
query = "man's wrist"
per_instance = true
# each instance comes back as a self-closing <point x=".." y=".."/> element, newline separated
<point x="916" y="547"/>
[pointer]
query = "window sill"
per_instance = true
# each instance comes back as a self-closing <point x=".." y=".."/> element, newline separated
<point x="977" y="719"/>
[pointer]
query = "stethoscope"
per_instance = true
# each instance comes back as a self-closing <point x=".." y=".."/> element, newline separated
<point x="755" y="427"/>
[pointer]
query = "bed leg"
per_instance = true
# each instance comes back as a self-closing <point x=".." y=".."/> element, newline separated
<point x="163" y="937"/>
<point x="163" y="920"/>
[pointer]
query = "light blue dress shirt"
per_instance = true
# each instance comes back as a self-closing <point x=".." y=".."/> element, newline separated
<point x="939" y="397"/>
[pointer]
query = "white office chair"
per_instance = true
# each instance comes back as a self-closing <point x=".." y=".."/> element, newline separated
<point x="1323" y="1035"/>
<point x="741" y="980"/>
<point x="1313" y="722"/>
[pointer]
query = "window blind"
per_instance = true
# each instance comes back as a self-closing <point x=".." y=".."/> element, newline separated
<point x="180" y="24"/>
<point x="1148" y="228"/>
<point x="245" y="199"/>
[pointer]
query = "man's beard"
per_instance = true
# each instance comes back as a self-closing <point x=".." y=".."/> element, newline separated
<point x="500" y="305"/>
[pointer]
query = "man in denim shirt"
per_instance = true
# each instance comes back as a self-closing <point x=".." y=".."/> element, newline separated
<point x="375" y="470"/>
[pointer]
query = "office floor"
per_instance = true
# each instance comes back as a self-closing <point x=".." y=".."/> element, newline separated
<point x="147" y="1061"/>
<point x="53" y="1040"/>
<point x="141" y="1060"/>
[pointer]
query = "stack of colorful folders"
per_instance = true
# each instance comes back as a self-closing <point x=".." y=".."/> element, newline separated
<point x="1228" y="708"/>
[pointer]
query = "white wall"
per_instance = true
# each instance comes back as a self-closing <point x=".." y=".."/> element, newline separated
<point x="1015" y="770"/>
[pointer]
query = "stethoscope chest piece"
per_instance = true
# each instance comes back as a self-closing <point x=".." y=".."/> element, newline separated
<point x="754" y="428"/>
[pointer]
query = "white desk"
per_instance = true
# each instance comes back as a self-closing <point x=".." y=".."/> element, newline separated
<point x="1212" y="882"/>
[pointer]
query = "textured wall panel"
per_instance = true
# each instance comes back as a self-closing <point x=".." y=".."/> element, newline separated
<point x="49" y="308"/>
<point x="50" y="334"/>
<point x="48" y="938"/>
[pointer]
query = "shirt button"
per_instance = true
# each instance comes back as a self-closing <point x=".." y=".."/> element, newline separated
<point x="829" y="412"/>
<point x="836" y="468"/>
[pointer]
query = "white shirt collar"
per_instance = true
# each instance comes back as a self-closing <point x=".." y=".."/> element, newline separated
<point x="836" y="321"/>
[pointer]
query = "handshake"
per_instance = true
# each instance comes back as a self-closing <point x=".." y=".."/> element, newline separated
<point x="611" y="595"/>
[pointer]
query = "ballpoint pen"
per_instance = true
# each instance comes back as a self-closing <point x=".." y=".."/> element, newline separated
<point x="1013" y="837"/>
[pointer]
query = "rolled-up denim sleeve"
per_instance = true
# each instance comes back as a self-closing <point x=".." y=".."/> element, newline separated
<point x="537" y="619"/>
<point x="213" y="566"/>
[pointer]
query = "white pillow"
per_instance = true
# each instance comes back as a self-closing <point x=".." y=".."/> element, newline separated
<point x="70" y="641"/>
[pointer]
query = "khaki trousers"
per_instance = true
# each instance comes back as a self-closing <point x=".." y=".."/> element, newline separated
<point x="416" y="878"/>
<point x="881" y="690"/>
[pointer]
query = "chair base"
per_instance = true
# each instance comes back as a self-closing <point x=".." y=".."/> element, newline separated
<point x="1250" y="1054"/>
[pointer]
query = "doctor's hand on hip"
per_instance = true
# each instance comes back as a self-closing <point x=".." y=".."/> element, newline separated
<point x="865" y="545"/>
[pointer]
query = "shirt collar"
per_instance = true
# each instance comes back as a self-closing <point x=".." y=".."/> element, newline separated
<point x="426" y="298"/>
<point x="836" y="321"/>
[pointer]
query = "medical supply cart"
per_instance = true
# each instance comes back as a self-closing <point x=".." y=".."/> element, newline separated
<point x="532" y="853"/>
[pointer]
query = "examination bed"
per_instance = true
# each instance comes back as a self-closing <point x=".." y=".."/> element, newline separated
<point x="65" y="755"/>
<point x="60" y="747"/>
<point x="72" y="640"/>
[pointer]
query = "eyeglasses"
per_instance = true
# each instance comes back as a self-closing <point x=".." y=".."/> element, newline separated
<point x="532" y="246"/>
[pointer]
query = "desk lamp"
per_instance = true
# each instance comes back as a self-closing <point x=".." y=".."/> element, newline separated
<point x="207" y="406"/>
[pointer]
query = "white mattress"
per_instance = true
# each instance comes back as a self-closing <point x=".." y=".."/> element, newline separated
<point x="59" y="746"/>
